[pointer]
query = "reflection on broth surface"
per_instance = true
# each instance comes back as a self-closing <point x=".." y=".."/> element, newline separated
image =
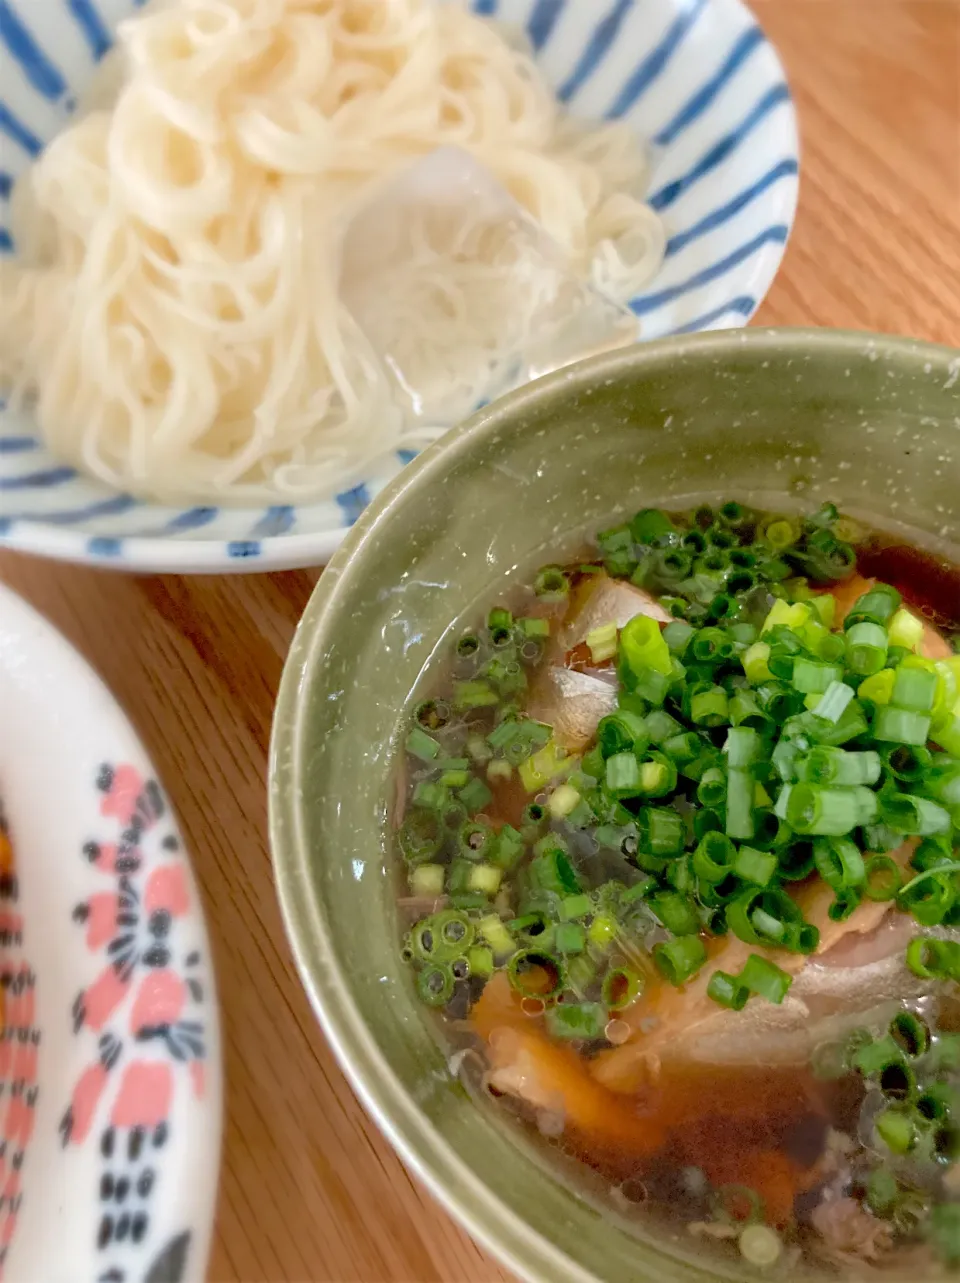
<point x="680" y="830"/>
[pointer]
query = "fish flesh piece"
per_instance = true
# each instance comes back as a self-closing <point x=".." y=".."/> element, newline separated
<point x="682" y="1024"/>
<point x="601" y="600"/>
<point x="573" y="702"/>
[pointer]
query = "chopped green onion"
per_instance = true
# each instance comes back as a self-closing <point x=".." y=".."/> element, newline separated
<point x="621" y="731"/>
<point x="896" y="1128"/>
<point x="917" y="816"/>
<point x="420" y="836"/>
<point x="760" y="1246"/>
<point x="828" y="765"/>
<point x="901" y="725"/>
<point x="435" y="985"/>
<point x="662" y="831"/>
<point x="766" y="917"/>
<point x="584" y="1021"/>
<point x="534" y="628"/>
<point x="877" y="606"/>
<point x="742" y="747"/>
<point x="651" y="525"/>
<point x="422" y="745"/>
<point x="739" y="811"/>
<point x="834" y="701"/>
<point x="537" y="771"/>
<point x="910" y="1033"/>
<point x="943" y="780"/>
<point x="676" y="912"/>
<point x="882" y="878"/>
<point x="710" y="707"/>
<point x="569" y="938"/>
<point x="677" y="636"/>
<point x="933" y="959"/>
<point x="642" y="646"/>
<point x="882" y="1193"/>
<point x="765" y="979"/>
<point x="914" y="689"/>
<point x="602" y="643"/>
<point x="496" y="935"/>
<point x="473" y="694"/>
<point x="813" y="676"/>
<point x="728" y="991"/>
<point x="712" y="789"/>
<point x="658" y="776"/>
<point x="867" y="644"/>
<point x="754" y="866"/>
<point x="822" y="811"/>
<point x="575" y="906"/>
<point x="781" y="533"/>
<point x="535" y="974"/>
<point x="551" y="869"/>
<point x="711" y="645"/>
<point x="475" y="796"/>
<point x="426" y="881"/>
<point x="485" y="879"/>
<point x="755" y="660"/>
<point x="432" y="714"/>
<point x="679" y="960"/>
<point x="603" y="931"/>
<point x="432" y="795"/>
<point x="621" y="988"/>
<point x="839" y="862"/>
<point x="714" y="857"/>
<point x="562" y="801"/>
<point x="442" y="937"/>
<point x="622" y="777"/>
<point x="551" y="583"/>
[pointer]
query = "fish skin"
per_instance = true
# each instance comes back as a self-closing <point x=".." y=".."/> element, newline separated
<point x="573" y="703"/>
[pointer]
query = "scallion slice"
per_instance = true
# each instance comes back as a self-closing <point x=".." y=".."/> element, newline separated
<point x="679" y="960"/>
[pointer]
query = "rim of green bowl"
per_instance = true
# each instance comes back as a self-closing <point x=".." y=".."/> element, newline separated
<point x="451" y="1181"/>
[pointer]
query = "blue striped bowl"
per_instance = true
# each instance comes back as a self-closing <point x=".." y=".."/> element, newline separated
<point x="697" y="77"/>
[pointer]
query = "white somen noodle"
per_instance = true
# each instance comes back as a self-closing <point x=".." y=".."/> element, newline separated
<point x="175" y="309"/>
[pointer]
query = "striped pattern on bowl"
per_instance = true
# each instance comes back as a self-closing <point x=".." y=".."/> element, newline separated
<point x="697" y="79"/>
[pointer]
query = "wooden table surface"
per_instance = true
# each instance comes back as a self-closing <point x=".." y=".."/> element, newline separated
<point x="309" y="1190"/>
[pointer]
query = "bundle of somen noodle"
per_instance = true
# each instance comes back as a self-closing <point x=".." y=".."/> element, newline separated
<point x="175" y="307"/>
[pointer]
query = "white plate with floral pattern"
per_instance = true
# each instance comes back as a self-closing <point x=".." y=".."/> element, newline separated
<point x="110" y="1084"/>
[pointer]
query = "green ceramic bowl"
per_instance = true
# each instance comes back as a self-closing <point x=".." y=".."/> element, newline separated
<point x="787" y="418"/>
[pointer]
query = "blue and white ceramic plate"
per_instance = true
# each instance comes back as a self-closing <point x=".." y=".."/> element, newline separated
<point x="698" y="80"/>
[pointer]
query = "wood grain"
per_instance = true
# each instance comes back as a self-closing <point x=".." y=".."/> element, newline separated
<point x="309" y="1189"/>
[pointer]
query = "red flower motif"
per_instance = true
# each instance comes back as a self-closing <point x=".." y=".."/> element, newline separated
<point x="86" y="1097"/>
<point x="103" y="997"/>
<point x="102" y="910"/>
<point x="124" y="792"/>
<point x="106" y="860"/>
<point x="160" y="999"/>
<point x="167" y="889"/>
<point x="144" y="1097"/>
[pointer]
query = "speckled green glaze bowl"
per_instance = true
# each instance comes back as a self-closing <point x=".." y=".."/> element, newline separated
<point x="785" y="417"/>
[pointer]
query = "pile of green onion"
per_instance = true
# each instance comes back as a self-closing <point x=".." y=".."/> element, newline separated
<point x="755" y="745"/>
